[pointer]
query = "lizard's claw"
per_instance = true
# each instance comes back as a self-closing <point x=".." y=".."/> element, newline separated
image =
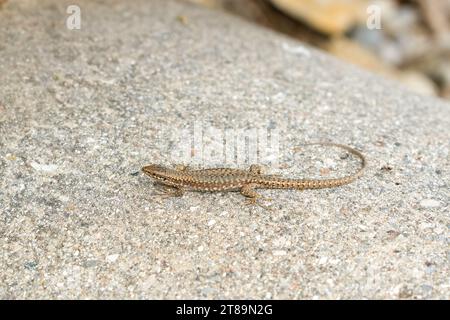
<point x="254" y="201"/>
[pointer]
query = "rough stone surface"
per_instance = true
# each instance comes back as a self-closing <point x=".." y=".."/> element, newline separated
<point x="82" y="110"/>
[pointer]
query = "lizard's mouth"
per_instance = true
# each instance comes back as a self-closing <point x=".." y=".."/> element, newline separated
<point x="154" y="175"/>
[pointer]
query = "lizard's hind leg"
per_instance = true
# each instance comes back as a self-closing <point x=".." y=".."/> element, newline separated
<point x="182" y="167"/>
<point x="256" y="169"/>
<point x="253" y="196"/>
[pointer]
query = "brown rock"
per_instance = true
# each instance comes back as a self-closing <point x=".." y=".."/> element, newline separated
<point x="353" y="52"/>
<point x="327" y="16"/>
<point x="418" y="82"/>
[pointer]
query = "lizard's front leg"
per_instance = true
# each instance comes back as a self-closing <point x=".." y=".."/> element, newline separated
<point x="169" y="191"/>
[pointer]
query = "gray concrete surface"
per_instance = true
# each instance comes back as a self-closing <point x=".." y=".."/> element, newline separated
<point x="82" y="110"/>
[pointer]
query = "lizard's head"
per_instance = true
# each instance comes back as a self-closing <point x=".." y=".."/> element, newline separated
<point x="157" y="172"/>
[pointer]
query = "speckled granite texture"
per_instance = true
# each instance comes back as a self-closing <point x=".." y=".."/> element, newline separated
<point x="82" y="110"/>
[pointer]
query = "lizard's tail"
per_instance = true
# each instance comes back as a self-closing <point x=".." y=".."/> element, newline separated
<point x="329" y="183"/>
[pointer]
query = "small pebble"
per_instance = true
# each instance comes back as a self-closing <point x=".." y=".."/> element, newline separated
<point x="429" y="203"/>
<point x="301" y="50"/>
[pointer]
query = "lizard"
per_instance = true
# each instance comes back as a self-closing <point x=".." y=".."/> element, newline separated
<point x="182" y="178"/>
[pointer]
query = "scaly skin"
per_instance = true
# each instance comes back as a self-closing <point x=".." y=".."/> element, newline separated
<point x="245" y="181"/>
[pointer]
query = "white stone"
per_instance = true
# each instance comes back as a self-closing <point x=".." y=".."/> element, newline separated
<point x="279" y="252"/>
<point x="49" y="168"/>
<point x="112" y="258"/>
<point x="323" y="260"/>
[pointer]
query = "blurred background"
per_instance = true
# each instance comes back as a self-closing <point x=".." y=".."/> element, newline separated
<point x="407" y="40"/>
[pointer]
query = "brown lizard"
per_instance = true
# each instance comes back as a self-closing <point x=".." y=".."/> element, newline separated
<point x="176" y="181"/>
